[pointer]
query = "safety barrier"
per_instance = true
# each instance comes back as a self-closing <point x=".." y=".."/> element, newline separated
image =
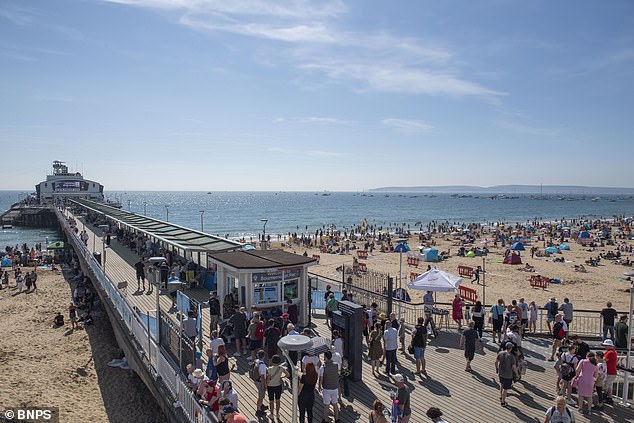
<point x="155" y="361"/>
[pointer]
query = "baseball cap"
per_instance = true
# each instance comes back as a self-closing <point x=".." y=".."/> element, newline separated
<point x="398" y="377"/>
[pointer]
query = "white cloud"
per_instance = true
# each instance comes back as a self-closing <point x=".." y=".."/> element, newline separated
<point x="314" y="119"/>
<point x="313" y="153"/>
<point x="408" y="126"/>
<point x="18" y="15"/>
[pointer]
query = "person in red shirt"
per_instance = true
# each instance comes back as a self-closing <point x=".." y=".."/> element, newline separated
<point x="610" y="363"/>
<point x="231" y="415"/>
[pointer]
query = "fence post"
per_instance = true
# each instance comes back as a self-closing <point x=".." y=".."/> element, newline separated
<point x="390" y="287"/>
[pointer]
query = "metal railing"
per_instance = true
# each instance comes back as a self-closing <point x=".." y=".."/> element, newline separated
<point x="155" y="361"/>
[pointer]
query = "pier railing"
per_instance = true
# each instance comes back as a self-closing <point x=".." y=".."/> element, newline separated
<point x="155" y="360"/>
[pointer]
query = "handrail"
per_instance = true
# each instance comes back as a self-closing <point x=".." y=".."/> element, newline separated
<point x="157" y="364"/>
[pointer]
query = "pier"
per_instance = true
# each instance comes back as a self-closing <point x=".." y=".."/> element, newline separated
<point x="462" y="396"/>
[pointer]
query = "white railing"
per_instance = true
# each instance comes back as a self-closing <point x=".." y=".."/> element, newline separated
<point x="157" y="363"/>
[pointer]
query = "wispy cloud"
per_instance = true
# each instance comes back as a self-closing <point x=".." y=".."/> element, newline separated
<point x="528" y="129"/>
<point x="315" y="120"/>
<point x="313" y="153"/>
<point x="316" y="43"/>
<point x="18" y="15"/>
<point x="408" y="126"/>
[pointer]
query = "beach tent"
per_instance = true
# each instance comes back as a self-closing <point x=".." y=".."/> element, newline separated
<point x="518" y="246"/>
<point x="429" y="254"/>
<point x="552" y="250"/>
<point x="6" y="262"/>
<point x="584" y="234"/>
<point x="470" y="254"/>
<point x="57" y="245"/>
<point x="436" y="281"/>
<point x="401" y="294"/>
<point x="564" y="247"/>
<point x="512" y="259"/>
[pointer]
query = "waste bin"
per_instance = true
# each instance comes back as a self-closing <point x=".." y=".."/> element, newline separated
<point x="97" y="257"/>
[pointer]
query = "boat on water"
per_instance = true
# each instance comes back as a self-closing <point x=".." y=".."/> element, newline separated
<point x="61" y="184"/>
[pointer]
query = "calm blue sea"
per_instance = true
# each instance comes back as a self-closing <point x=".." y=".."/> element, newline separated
<point x="239" y="213"/>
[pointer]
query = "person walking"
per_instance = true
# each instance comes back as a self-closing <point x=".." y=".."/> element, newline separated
<point x="506" y="368"/>
<point x="260" y="378"/>
<point x="551" y="311"/>
<point x="497" y="319"/>
<point x="403" y="397"/>
<point x="620" y="332"/>
<point x="468" y="341"/>
<point x="532" y="319"/>
<point x="214" y="311"/>
<point x="587" y="373"/>
<point x="238" y="321"/>
<point x="140" y="273"/>
<point x="390" y="345"/>
<point x="608" y="314"/>
<point x="478" y="317"/>
<point x="559" y="413"/>
<point x="221" y="362"/>
<point x="476" y="275"/>
<point x="456" y="310"/>
<point x="568" y="369"/>
<point x="306" y="398"/>
<point x="419" y="343"/>
<point x="329" y="386"/>
<point x="560" y="330"/>
<point x="274" y="384"/>
<point x="375" y="349"/>
<point x="567" y="309"/>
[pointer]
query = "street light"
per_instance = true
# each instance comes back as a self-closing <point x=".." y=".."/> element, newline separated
<point x="294" y="343"/>
<point x="167" y="213"/>
<point x="400" y="248"/>
<point x="145" y="208"/>
<point x="264" y="233"/>
<point x="202" y="222"/>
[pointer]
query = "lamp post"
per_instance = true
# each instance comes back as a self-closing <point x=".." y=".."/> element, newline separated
<point x="264" y="233"/>
<point x="202" y="221"/>
<point x="400" y="248"/>
<point x="626" y="378"/>
<point x="294" y="343"/>
<point x="145" y="208"/>
<point x="167" y="213"/>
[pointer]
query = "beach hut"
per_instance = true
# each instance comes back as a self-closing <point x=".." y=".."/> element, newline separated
<point x="429" y="254"/>
<point x="512" y="259"/>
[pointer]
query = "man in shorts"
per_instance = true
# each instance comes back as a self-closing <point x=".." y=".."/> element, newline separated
<point x="261" y="384"/>
<point x="506" y="368"/>
<point x="255" y="332"/>
<point x="402" y="394"/>
<point x="329" y="386"/>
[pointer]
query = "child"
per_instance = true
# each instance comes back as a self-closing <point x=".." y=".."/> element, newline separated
<point x="401" y="334"/>
<point x="602" y="373"/>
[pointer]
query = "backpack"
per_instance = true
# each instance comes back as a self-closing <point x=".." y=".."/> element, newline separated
<point x="567" y="371"/>
<point x="552" y="411"/>
<point x="254" y="371"/>
<point x="420" y="338"/>
<point x="558" y="331"/>
<point x="259" y="331"/>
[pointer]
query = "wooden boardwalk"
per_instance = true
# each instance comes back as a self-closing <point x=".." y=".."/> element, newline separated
<point x="462" y="396"/>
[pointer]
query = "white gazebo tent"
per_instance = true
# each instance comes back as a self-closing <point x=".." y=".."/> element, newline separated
<point x="436" y="281"/>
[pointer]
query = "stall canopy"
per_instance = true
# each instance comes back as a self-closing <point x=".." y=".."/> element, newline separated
<point x="435" y="280"/>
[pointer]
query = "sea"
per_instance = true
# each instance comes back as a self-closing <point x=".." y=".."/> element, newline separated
<point x="241" y="214"/>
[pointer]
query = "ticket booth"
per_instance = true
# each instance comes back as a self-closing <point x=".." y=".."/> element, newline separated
<point x="264" y="280"/>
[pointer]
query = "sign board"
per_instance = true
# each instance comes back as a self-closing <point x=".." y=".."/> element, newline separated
<point x="265" y="293"/>
<point x="276" y="276"/>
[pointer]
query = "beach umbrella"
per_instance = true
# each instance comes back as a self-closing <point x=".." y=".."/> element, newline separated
<point x="552" y="250"/>
<point x="564" y="247"/>
<point x="57" y="245"/>
<point x="518" y="246"/>
<point x="435" y="280"/>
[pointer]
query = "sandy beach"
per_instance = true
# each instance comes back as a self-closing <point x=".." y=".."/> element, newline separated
<point x="46" y="367"/>
<point x="590" y="290"/>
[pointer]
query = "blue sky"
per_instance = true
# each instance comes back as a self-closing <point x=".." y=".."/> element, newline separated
<point x="324" y="95"/>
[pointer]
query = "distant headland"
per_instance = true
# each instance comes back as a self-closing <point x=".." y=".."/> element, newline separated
<point x="514" y="189"/>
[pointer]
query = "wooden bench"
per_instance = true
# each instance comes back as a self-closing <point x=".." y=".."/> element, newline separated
<point x="468" y="294"/>
<point x="465" y="271"/>
<point x="413" y="261"/>
<point x="317" y="257"/>
<point x="539" y="281"/>
<point x="362" y="254"/>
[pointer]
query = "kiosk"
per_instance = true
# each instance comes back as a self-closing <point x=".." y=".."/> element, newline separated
<point x="264" y="280"/>
<point x="347" y="319"/>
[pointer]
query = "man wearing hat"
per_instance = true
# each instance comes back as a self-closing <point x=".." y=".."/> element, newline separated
<point x="282" y="323"/>
<point x="231" y="415"/>
<point x="610" y="363"/>
<point x="402" y="394"/>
